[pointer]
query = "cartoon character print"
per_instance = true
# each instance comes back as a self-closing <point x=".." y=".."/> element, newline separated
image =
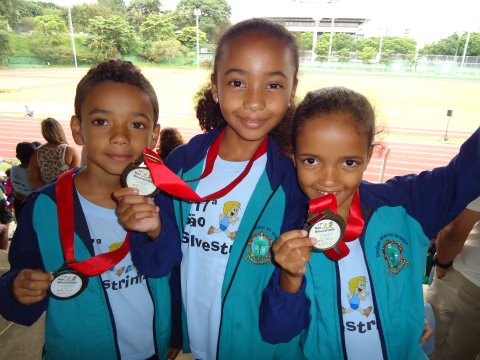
<point x="357" y="292"/>
<point x="119" y="271"/>
<point x="227" y="218"/>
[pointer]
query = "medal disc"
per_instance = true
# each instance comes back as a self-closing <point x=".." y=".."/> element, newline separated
<point x="138" y="176"/>
<point x="67" y="284"/>
<point x="328" y="231"/>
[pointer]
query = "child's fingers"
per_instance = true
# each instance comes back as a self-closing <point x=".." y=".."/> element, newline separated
<point x="287" y="237"/>
<point x="30" y="286"/>
<point x="125" y="191"/>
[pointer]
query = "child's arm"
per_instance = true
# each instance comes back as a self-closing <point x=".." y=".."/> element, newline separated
<point x="21" y="285"/>
<point x="284" y="310"/>
<point x="34" y="171"/>
<point x="155" y="239"/>
<point x="137" y="213"/>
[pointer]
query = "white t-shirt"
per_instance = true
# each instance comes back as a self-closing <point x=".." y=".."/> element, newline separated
<point x="206" y="244"/>
<point x="362" y="339"/>
<point x="128" y="295"/>
<point x="467" y="261"/>
<point x="20" y="180"/>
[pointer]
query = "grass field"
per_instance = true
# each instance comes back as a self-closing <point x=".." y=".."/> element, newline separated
<point x="400" y="101"/>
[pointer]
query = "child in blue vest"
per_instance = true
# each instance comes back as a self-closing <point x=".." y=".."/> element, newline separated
<point x="249" y="191"/>
<point x="97" y="307"/>
<point x="361" y="297"/>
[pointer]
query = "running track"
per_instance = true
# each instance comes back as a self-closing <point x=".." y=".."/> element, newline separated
<point x="402" y="158"/>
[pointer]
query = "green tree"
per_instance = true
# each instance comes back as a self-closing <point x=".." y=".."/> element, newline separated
<point x="157" y="27"/>
<point x="343" y="55"/>
<point x="188" y="37"/>
<point x="110" y="37"/>
<point x="50" y="29"/>
<point x="145" y="7"/>
<point x="342" y="41"/>
<point x="454" y="45"/>
<point x="165" y="51"/>
<point x="305" y="40"/>
<point x="372" y="42"/>
<point x="117" y="6"/>
<point x="8" y="9"/>
<point x="214" y="15"/>
<point x="323" y="44"/>
<point x="6" y="39"/>
<point x="82" y="14"/>
<point x="367" y="54"/>
<point x="399" y="45"/>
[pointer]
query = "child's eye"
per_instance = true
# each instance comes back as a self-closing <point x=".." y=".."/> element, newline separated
<point x="351" y="163"/>
<point x="236" y="83"/>
<point x="310" y="161"/>
<point x="100" y="122"/>
<point x="274" y="86"/>
<point x="139" y="125"/>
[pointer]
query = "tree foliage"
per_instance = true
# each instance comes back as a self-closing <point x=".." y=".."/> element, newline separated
<point x="82" y="14"/>
<point x="110" y="37"/>
<point x="157" y="27"/>
<point x="367" y="54"/>
<point x="214" y="15"/>
<point x="454" y="45"/>
<point x="188" y="37"/>
<point x="117" y="7"/>
<point x="165" y="51"/>
<point x="6" y="39"/>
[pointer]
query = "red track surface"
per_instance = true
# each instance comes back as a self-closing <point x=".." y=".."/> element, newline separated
<point x="403" y="158"/>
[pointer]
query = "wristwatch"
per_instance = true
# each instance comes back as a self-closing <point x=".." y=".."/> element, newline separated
<point x="437" y="263"/>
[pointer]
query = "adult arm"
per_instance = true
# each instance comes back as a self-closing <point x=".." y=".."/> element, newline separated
<point x="34" y="171"/>
<point x="451" y="238"/>
<point x="72" y="158"/>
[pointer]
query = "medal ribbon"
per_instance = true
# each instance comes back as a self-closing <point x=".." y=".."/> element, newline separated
<point x="354" y="227"/>
<point x="96" y="264"/>
<point x="171" y="183"/>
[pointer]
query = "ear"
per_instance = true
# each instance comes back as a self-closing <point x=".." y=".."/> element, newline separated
<point x="155" y="134"/>
<point x="76" y="127"/>
<point x="213" y="87"/>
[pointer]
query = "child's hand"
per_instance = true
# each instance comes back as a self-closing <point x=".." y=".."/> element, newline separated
<point x="291" y="251"/>
<point x="427" y="332"/>
<point x="30" y="286"/>
<point x="137" y="213"/>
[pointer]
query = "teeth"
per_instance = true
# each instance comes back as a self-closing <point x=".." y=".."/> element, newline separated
<point x="326" y="192"/>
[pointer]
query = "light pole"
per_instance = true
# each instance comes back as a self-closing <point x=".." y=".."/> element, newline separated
<point x="70" y="26"/>
<point x="197" y="13"/>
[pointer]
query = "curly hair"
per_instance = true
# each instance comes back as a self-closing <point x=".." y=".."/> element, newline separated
<point x="208" y="111"/>
<point x="119" y="71"/>
<point x="169" y="139"/>
<point x="52" y="131"/>
<point x="330" y="100"/>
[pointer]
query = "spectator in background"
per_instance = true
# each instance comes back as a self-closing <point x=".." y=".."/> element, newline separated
<point x="19" y="175"/>
<point x="455" y="289"/>
<point x="9" y="189"/>
<point x="170" y="138"/>
<point x="54" y="157"/>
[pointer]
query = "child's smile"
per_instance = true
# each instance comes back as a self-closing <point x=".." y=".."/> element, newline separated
<point x="331" y="157"/>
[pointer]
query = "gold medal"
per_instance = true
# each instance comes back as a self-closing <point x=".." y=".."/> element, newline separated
<point x="138" y="175"/>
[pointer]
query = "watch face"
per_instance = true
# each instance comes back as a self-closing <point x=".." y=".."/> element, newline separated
<point x="138" y="175"/>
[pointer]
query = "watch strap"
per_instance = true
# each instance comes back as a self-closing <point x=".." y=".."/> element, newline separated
<point x="437" y="263"/>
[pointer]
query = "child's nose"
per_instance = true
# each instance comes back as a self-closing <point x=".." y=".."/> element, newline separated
<point x="329" y="177"/>
<point x="254" y="99"/>
<point x="119" y="136"/>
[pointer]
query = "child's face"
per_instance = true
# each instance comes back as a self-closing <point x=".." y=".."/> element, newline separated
<point x="117" y="124"/>
<point x="254" y="84"/>
<point x="331" y="157"/>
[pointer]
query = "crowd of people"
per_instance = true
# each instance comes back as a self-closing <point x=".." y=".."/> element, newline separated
<point x="244" y="253"/>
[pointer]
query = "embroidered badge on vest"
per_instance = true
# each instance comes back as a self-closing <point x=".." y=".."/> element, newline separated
<point x="258" y="248"/>
<point x="392" y="252"/>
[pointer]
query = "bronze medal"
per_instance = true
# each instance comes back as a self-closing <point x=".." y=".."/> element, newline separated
<point x="328" y="231"/>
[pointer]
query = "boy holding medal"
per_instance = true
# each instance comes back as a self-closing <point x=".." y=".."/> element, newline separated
<point x="71" y="256"/>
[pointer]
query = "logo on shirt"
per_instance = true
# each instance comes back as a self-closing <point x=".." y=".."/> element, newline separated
<point x="226" y="218"/>
<point x="392" y="252"/>
<point x="258" y="248"/>
<point x="357" y="293"/>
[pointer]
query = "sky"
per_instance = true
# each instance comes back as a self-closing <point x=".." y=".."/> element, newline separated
<point x="426" y="20"/>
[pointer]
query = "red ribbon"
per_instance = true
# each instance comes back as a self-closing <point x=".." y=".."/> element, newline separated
<point x="354" y="227"/>
<point x="96" y="264"/>
<point x="171" y="183"/>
